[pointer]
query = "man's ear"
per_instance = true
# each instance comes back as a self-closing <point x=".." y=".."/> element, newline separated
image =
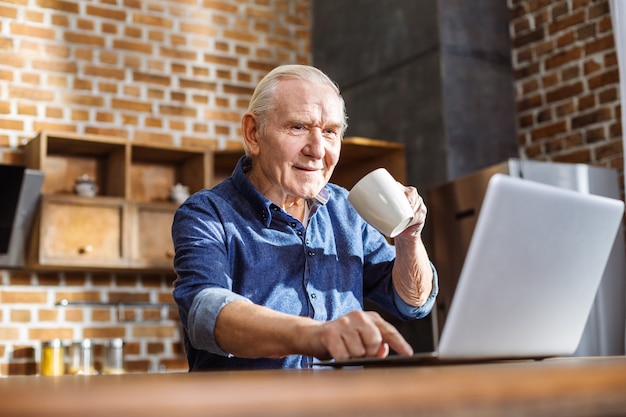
<point x="250" y="132"/>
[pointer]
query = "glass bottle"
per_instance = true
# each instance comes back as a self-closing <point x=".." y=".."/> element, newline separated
<point x="114" y="357"/>
<point x="81" y="358"/>
<point x="52" y="358"/>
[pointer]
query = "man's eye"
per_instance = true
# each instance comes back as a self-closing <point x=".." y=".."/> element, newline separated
<point x="299" y="129"/>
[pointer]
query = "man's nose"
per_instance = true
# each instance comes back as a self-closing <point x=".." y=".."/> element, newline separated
<point x="315" y="144"/>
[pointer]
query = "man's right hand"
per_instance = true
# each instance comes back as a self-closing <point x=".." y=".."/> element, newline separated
<point x="358" y="334"/>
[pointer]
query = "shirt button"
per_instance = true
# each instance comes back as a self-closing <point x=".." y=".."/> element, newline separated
<point x="293" y="225"/>
<point x="299" y="233"/>
<point x="311" y="253"/>
<point x="313" y="296"/>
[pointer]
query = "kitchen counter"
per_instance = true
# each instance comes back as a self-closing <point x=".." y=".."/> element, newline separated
<point x="556" y="387"/>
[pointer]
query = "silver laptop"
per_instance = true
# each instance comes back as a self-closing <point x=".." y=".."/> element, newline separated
<point x="530" y="276"/>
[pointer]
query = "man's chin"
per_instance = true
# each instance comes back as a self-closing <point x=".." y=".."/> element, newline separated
<point x="309" y="190"/>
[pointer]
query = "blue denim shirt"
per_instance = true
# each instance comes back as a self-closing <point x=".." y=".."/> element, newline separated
<point x="232" y="243"/>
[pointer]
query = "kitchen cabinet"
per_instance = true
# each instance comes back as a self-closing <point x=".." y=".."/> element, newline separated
<point x="126" y="225"/>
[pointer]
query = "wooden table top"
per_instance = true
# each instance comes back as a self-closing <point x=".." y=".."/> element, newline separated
<point x="567" y="387"/>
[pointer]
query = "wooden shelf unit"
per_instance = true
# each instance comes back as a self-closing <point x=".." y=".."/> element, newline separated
<point x="127" y="224"/>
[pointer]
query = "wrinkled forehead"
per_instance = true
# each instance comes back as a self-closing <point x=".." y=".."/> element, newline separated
<point x="315" y="100"/>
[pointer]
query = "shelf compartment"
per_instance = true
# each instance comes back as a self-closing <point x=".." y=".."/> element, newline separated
<point x="65" y="157"/>
<point x="155" y="170"/>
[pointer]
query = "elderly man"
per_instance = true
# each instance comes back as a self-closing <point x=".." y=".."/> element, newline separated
<point x="273" y="263"/>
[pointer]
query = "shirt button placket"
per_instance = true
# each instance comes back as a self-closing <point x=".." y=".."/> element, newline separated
<point x="310" y="253"/>
<point x="313" y="301"/>
<point x="299" y="230"/>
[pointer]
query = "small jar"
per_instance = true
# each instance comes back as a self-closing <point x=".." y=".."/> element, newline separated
<point x="80" y="358"/>
<point x="179" y="193"/>
<point x="85" y="186"/>
<point x="52" y="363"/>
<point x="114" y="357"/>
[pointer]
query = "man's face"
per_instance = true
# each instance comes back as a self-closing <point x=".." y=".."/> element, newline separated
<point x="299" y="147"/>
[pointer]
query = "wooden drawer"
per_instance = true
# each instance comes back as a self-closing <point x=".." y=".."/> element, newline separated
<point x="81" y="232"/>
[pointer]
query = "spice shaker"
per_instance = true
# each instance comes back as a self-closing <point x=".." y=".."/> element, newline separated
<point x="114" y="357"/>
<point x="81" y="358"/>
<point x="52" y="358"/>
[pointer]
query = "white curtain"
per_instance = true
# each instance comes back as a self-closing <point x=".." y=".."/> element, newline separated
<point x="618" y="17"/>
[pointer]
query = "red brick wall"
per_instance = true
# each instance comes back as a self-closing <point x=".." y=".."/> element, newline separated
<point x="172" y="71"/>
<point x="567" y="81"/>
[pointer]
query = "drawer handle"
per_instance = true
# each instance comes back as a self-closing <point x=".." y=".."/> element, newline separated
<point x="85" y="250"/>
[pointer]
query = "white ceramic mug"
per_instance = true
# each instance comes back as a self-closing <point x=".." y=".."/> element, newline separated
<point x="381" y="201"/>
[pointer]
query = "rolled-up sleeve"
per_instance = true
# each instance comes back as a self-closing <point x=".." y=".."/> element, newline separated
<point x="206" y="306"/>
